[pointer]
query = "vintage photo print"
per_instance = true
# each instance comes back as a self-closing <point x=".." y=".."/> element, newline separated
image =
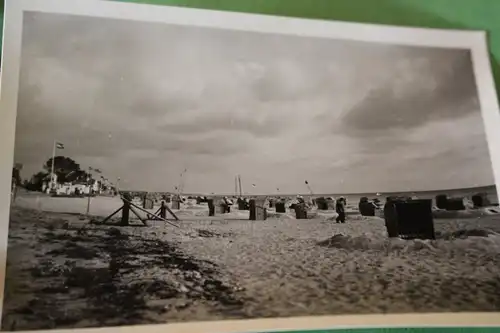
<point x="172" y="166"/>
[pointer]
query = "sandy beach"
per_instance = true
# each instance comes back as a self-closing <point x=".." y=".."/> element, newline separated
<point x="64" y="272"/>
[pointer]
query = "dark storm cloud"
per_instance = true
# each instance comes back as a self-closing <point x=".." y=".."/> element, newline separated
<point x="449" y="91"/>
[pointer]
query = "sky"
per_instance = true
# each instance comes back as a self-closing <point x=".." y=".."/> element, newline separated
<point x="145" y="101"/>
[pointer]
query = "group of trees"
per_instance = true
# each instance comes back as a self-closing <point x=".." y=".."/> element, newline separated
<point x="66" y="169"/>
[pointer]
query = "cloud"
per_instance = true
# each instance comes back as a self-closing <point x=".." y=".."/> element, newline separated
<point x="419" y="90"/>
<point x="235" y="123"/>
<point x="143" y="101"/>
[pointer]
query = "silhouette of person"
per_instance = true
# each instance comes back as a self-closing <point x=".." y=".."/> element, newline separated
<point x="340" y="209"/>
<point x="163" y="210"/>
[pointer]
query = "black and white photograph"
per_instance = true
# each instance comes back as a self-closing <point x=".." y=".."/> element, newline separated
<point x="170" y="173"/>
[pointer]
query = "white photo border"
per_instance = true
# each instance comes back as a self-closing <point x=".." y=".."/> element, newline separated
<point x="475" y="41"/>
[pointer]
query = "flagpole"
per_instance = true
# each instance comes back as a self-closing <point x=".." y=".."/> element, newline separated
<point x="236" y="186"/>
<point x="117" y="185"/>
<point x="239" y="183"/>
<point x="52" y="185"/>
<point x="90" y="191"/>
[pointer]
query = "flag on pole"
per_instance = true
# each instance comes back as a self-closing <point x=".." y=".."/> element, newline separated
<point x="59" y="145"/>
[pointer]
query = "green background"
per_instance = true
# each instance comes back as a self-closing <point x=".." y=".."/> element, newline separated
<point x="447" y="14"/>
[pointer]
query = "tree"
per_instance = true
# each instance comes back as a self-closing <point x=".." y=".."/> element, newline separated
<point x="36" y="181"/>
<point x="64" y="168"/>
<point x="62" y="164"/>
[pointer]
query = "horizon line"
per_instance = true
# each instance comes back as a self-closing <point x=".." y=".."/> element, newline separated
<point x="317" y="194"/>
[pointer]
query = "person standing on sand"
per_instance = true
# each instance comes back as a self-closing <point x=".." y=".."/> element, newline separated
<point x="163" y="210"/>
<point x="340" y="209"/>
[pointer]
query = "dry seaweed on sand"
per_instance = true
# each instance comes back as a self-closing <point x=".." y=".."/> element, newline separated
<point x="106" y="276"/>
<point x="209" y="233"/>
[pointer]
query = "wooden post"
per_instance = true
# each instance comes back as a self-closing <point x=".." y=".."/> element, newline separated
<point x="253" y="213"/>
<point x="125" y="213"/>
<point x="128" y="207"/>
<point x="132" y="206"/>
